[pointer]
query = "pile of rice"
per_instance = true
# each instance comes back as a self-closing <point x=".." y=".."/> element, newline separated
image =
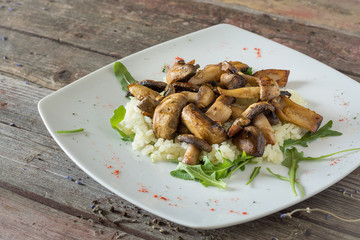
<point x="165" y="150"/>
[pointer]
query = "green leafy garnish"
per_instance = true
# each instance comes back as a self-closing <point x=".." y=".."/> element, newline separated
<point x="123" y="75"/>
<point x="291" y="161"/>
<point x="196" y="172"/>
<point x="71" y="131"/>
<point x="288" y="180"/>
<point x="208" y="173"/>
<point x="329" y="155"/>
<point x="324" y="131"/>
<point x="115" y="121"/>
<point x="248" y="71"/>
<point x="253" y="175"/>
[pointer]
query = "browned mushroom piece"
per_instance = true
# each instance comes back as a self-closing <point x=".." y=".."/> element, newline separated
<point x="140" y="92"/>
<point x="232" y="81"/>
<point x="147" y="106"/>
<point x="193" y="151"/>
<point x="269" y="89"/>
<point x="167" y="115"/>
<point x="251" y="140"/>
<point x="279" y="75"/>
<point x="256" y="108"/>
<point x="185" y="86"/>
<point x="181" y="71"/>
<point x="169" y="90"/>
<point x="158" y="86"/>
<point x="240" y="66"/>
<point x="250" y="113"/>
<point x="250" y="80"/>
<point x="272" y="118"/>
<point x="190" y="96"/>
<point x="204" y="97"/>
<point x="262" y="123"/>
<point x="210" y="72"/>
<point x="199" y="143"/>
<point x="236" y="111"/>
<point x="245" y="92"/>
<point x="202" y="126"/>
<point x="238" y="125"/>
<point x="220" y="111"/>
<point x="292" y="112"/>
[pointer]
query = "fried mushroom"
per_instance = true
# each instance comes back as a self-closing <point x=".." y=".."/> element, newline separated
<point x="251" y="140"/>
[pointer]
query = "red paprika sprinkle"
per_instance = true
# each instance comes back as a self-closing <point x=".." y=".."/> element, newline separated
<point x="179" y="58"/>
<point x="244" y="213"/>
<point x="155" y="196"/>
<point x="165" y="199"/>
<point x="212" y="209"/>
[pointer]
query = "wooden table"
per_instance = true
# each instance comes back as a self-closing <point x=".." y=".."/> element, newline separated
<point x="47" y="44"/>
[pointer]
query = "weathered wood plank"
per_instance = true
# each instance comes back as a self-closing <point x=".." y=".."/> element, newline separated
<point x="33" y="166"/>
<point x="43" y="45"/>
<point x="330" y="14"/>
<point x="21" y="218"/>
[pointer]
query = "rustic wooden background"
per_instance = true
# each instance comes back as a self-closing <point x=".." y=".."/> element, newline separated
<point x="47" y="44"/>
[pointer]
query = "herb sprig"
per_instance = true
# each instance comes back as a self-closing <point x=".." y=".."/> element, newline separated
<point x="115" y="121"/>
<point x="123" y="75"/>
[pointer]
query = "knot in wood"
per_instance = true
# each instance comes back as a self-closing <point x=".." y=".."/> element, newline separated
<point x="62" y="76"/>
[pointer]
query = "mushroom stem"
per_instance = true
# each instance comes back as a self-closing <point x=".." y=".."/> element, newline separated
<point x="261" y="122"/>
<point x="192" y="154"/>
<point x="245" y="92"/>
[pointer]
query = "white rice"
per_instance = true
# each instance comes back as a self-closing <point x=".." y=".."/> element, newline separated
<point x="167" y="150"/>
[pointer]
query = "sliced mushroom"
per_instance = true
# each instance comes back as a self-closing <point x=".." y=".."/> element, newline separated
<point x="245" y="92"/>
<point x="190" y="96"/>
<point x="210" y="72"/>
<point x="250" y="113"/>
<point x="250" y="80"/>
<point x="272" y="118"/>
<point x="220" y="111"/>
<point x="236" y="111"/>
<point x="140" y="92"/>
<point x="241" y="67"/>
<point x="147" y="106"/>
<point x="167" y="115"/>
<point x="199" y="143"/>
<point x="251" y="140"/>
<point x="232" y="81"/>
<point x="204" y="97"/>
<point x="181" y="71"/>
<point x="292" y="112"/>
<point x="261" y="122"/>
<point x="185" y="86"/>
<point x="202" y="126"/>
<point x="269" y="89"/>
<point x="256" y="108"/>
<point x="169" y="90"/>
<point x="193" y="151"/>
<point x="279" y="75"/>
<point x="158" y="86"/>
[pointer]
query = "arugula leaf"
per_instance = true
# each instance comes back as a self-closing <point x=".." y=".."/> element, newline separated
<point x="123" y="75"/>
<point x="241" y="161"/>
<point x="287" y="179"/>
<point x="115" y="120"/>
<point x="324" y="131"/>
<point x="195" y="172"/>
<point x="248" y="71"/>
<point x="253" y="175"/>
<point x="208" y="173"/>
<point x="291" y="161"/>
<point x="71" y="131"/>
<point x="329" y="155"/>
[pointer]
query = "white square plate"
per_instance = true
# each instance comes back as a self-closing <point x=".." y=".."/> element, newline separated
<point x="89" y="103"/>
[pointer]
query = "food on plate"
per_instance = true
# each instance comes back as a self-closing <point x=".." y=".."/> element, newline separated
<point x="213" y="121"/>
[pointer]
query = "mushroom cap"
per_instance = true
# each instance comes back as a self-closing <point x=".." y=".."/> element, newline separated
<point x="158" y="86"/>
<point x="251" y="140"/>
<point x="199" y="143"/>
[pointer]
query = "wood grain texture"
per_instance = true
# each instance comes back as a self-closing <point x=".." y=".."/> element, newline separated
<point x="22" y="218"/>
<point x="36" y="168"/>
<point x="59" y="42"/>
<point x="337" y="16"/>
